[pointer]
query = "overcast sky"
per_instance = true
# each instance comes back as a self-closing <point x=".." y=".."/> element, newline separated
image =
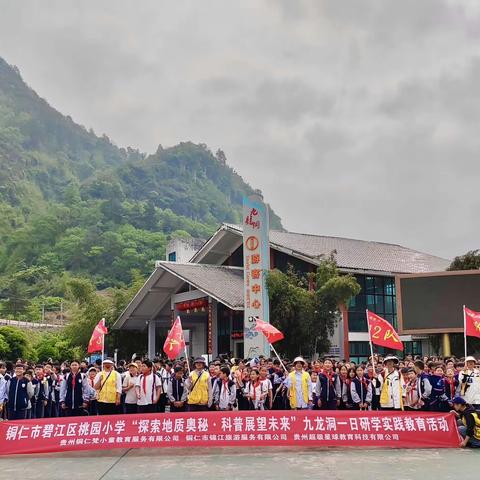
<point x="355" y="118"/>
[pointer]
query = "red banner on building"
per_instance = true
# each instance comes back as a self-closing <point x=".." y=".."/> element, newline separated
<point x="245" y="428"/>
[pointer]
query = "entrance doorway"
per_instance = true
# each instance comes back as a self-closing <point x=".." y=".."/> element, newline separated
<point x="238" y="348"/>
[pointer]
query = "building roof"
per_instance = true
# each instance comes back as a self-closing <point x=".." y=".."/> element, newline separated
<point x="222" y="283"/>
<point x="350" y="254"/>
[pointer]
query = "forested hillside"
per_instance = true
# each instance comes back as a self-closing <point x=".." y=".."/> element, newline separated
<point x="73" y="204"/>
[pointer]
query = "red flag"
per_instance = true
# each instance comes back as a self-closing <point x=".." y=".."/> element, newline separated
<point x="96" y="340"/>
<point x="382" y="333"/>
<point x="273" y="335"/>
<point x="175" y="341"/>
<point x="472" y="323"/>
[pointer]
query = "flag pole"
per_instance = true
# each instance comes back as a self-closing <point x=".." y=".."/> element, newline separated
<point x="465" y="330"/>
<point x="186" y="358"/>
<point x="281" y="363"/>
<point x="370" y="341"/>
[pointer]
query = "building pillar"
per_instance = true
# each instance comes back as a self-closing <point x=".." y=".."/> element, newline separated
<point x="214" y="332"/>
<point x="446" y="347"/>
<point x="210" y="326"/>
<point x="151" y="339"/>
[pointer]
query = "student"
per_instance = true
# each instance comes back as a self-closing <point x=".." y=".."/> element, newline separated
<point x="148" y="388"/>
<point x="470" y="430"/>
<point x="29" y="377"/>
<point x="163" y="371"/>
<point x="361" y="390"/>
<point x="41" y="393"/>
<point x="469" y="380"/>
<point x="391" y="393"/>
<point x="176" y="391"/>
<point x="328" y="387"/>
<point x="241" y="378"/>
<point x="198" y="387"/>
<point x="20" y="391"/>
<point x="224" y="391"/>
<point x="438" y="397"/>
<point x="344" y="383"/>
<point x="92" y="397"/>
<point x="256" y="391"/>
<point x="280" y="400"/>
<point x="424" y="386"/>
<point x="74" y="392"/>
<point x="108" y="384"/>
<point x="51" y="378"/>
<point x="451" y="386"/>
<point x="411" y="392"/>
<point x="377" y="382"/>
<point x="268" y="384"/>
<point x="299" y="386"/>
<point x="128" y="388"/>
<point x="3" y="390"/>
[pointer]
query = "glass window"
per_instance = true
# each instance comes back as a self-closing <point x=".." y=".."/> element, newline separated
<point x="357" y="322"/>
<point x="379" y="304"/>
<point x="369" y="284"/>
<point x="389" y="286"/>
<point x="371" y="303"/>
<point x="379" y="285"/>
<point x="172" y="257"/>
<point x="388" y="304"/>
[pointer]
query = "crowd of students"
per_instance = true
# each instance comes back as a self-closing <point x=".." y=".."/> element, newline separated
<point x="144" y="386"/>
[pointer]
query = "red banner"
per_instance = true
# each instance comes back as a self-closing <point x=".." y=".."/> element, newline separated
<point x="245" y="428"/>
<point x="382" y="333"/>
<point x="472" y="323"/>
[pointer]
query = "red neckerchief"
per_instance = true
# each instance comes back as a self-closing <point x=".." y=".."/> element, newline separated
<point x="73" y="381"/>
<point x="225" y="388"/>
<point x="363" y="380"/>
<point x="451" y="384"/>
<point x="330" y="377"/>
<point x="255" y="386"/>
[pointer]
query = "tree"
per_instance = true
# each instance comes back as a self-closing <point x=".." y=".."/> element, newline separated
<point x="469" y="261"/>
<point x="17" y="341"/>
<point x="308" y="317"/>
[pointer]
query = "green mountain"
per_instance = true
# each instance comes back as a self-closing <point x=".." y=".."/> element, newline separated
<point x="71" y="201"/>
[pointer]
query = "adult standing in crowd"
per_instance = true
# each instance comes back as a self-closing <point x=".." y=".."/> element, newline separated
<point x="391" y="394"/>
<point x="469" y="381"/>
<point x="108" y="384"/>
<point x="299" y="386"/>
<point x="198" y="387"/>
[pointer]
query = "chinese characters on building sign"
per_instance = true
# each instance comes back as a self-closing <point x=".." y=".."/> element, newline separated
<point x="256" y="261"/>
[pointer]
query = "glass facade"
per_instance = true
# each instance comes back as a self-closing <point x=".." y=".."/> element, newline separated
<point x="360" y="351"/>
<point x="377" y="294"/>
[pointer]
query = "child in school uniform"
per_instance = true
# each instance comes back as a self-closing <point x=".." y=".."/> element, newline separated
<point x="256" y="391"/>
<point x="224" y="391"/>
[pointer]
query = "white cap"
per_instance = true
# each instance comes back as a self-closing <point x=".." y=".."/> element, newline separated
<point x="299" y="359"/>
<point x="470" y="359"/>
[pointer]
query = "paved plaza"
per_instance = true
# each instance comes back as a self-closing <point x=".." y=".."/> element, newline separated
<point x="246" y="463"/>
